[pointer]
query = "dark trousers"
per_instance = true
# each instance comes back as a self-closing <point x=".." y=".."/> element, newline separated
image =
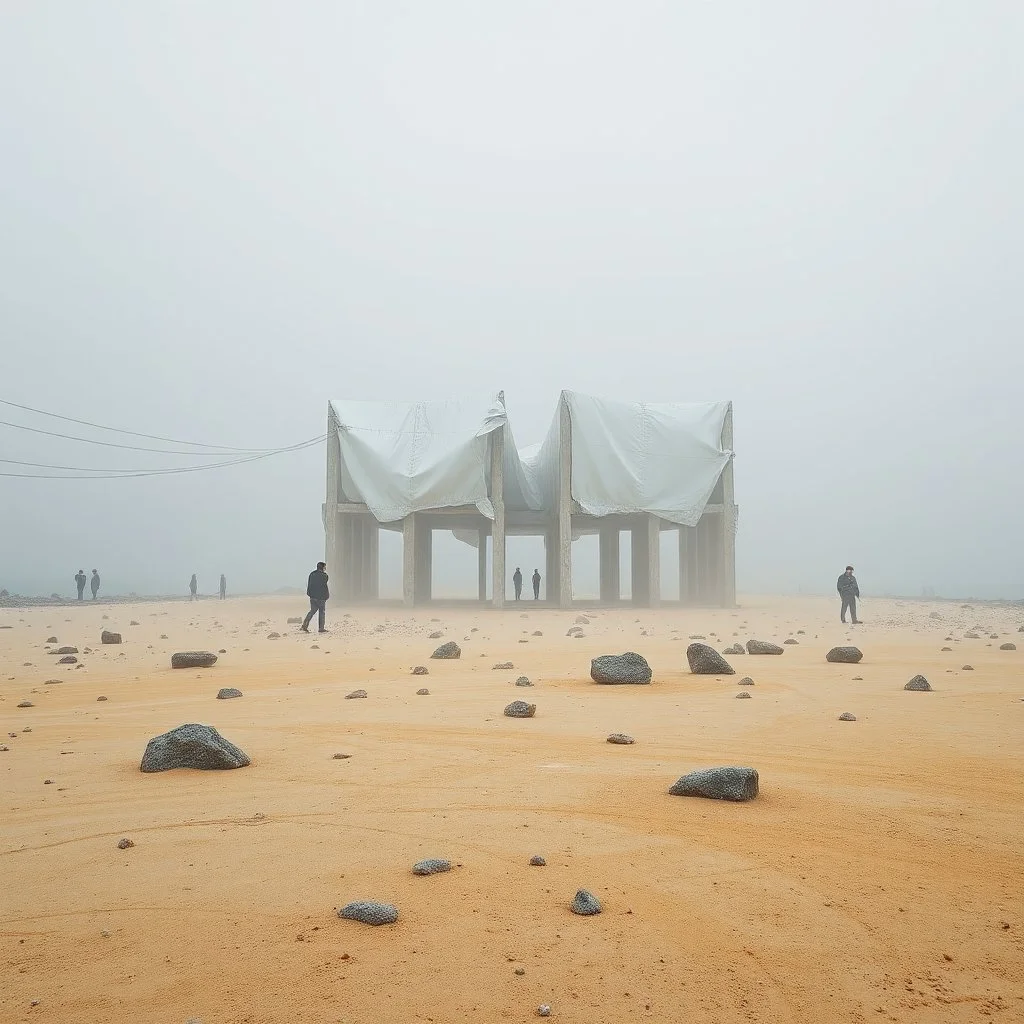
<point x="849" y="601"/>
<point x="81" y="592"/>
<point x="518" y="589"/>
<point x="95" y="592"/>
<point x="536" y="591"/>
<point x="316" y="607"/>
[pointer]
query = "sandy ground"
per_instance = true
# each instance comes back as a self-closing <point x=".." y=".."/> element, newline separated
<point x="876" y="878"/>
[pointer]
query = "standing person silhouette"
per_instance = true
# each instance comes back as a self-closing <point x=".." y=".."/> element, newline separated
<point x="849" y="591"/>
<point x="223" y="586"/>
<point x="517" y="582"/>
<point x="193" y="586"/>
<point x="318" y="594"/>
<point x="80" y="581"/>
<point x="94" y="584"/>
<point x="536" y="584"/>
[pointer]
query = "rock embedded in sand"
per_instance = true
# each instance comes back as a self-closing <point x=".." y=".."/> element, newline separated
<point x="847" y="717"/>
<point x="743" y="694"/>
<point x="52" y="640"/>
<point x="585" y="903"/>
<point x="65" y="650"/>
<point x="520" y="709"/>
<point x="431" y="866"/>
<point x="523" y="681"/>
<point x="763" y="647"/>
<point x="125" y="844"/>
<point x="537" y="861"/>
<point x="967" y="668"/>
<point x="543" y="1010"/>
<point x="436" y="635"/>
<point x="971" y="635"/>
<point x="106" y="637"/>
<point x="68" y="659"/>
<point x="192" y="746"/>
<point x="341" y="757"/>
<point x="502" y="666"/>
<point x="423" y="693"/>
<point x="421" y="670"/>
<point x="582" y="620"/>
<point x="273" y="636"/>
<point x="193" y="659"/>
<point x="26" y="704"/>
<point x="1007" y="647"/>
<point x="844" y="655"/>
<point x="735" y="649"/>
<point x="369" y="912"/>
<point x="448" y="651"/>
<point x="918" y="683"/>
<point x="944" y="649"/>
<point x="227" y="693"/>
<point x="629" y="669"/>
<point x="704" y="660"/>
<point x="729" y="782"/>
<point x="746" y="681"/>
<point x="620" y="737"/>
<point x="355" y="695"/>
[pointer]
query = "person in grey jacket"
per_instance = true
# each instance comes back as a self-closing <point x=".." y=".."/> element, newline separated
<point x="849" y="592"/>
<point x="318" y="594"/>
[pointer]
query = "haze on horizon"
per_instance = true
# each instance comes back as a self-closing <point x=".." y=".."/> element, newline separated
<point x="215" y="217"/>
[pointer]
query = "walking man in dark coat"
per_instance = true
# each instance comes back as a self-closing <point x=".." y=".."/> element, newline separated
<point x="80" y="581"/>
<point x="517" y="582"/>
<point x="318" y="594"/>
<point x="536" y="584"/>
<point x="849" y="592"/>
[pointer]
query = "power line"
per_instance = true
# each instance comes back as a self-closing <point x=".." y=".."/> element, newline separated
<point x="118" y="430"/>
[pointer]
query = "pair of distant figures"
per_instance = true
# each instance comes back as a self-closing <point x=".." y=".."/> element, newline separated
<point x="80" y="581"/>
<point x="193" y="586"/>
<point x="517" y="583"/>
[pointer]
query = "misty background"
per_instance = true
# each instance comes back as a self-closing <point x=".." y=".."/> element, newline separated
<point x="215" y="216"/>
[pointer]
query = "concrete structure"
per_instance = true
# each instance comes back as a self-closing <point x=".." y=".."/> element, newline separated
<point x="707" y="551"/>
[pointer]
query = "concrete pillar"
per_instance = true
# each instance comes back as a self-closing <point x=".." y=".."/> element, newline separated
<point x="369" y="552"/>
<point x="653" y="561"/>
<point x="645" y="538"/>
<point x="728" y="567"/>
<point x="564" y="500"/>
<point x="611" y="585"/>
<point x="551" y="564"/>
<point x="344" y="570"/>
<point x="424" y="559"/>
<point x="481" y="564"/>
<point x="498" y="525"/>
<point x="333" y="492"/>
<point x="409" y="560"/>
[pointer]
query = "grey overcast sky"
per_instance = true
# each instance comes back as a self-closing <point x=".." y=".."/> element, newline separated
<point x="215" y="215"/>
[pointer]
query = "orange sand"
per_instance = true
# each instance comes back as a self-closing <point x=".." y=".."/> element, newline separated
<point x="876" y="878"/>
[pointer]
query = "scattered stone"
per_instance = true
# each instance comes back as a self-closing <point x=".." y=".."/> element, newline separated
<point x="735" y="649"/>
<point x="192" y="746"/>
<point x="4" y="748"/>
<point x="944" y="649"/>
<point x="543" y="1010"/>
<point x="227" y="692"/>
<point x="582" y="620"/>
<point x="763" y="647"/>
<point x="423" y="693"/>
<point x="725" y="783"/>
<point x="50" y="681"/>
<point x="620" y="737"/>
<point x="355" y="695"/>
<point x="697" y="636"/>
<point x="585" y="904"/>
<point x="537" y="861"/>
<point x="967" y="668"/>
<point x="520" y="709"/>
<point x="1007" y="647"/>
<point x="106" y="637"/>
<point x="65" y="650"/>
<point x="68" y="659"/>
<point x="537" y="632"/>
<point x="523" y="681"/>
<point x="746" y="681"/>
<point x="918" y="683"/>
<point x="431" y="866"/>
<point x="193" y="659"/>
<point x="52" y="640"/>
<point x="341" y="757"/>
<point x="844" y="655"/>
<point x="436" y="635"/>
<point x="421" y="670"/>
<point x="133" y="623"/>
<point x="273" y="636"/>
<point x="972" y="635"/>
<point x="706" y="661"/>
<point x="101" y="697"/>
<point x="519" y="971"/>
<point x="791" y="640"/>
<point x="125" y="844"/>
<point x="574" y="631"/>
<point x="502" y="666"/>
<point x="847" y="717"/>
<point x="629" y="668"/>
<point x="448" y="651"/>
<point x="742" y="694"/>
<point x="369" y="912"/>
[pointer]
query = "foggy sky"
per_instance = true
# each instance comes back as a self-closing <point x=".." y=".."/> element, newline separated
<point x="215" y="216"/>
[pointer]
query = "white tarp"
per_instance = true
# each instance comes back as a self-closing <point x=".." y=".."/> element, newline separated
<point x="402" y="457"/>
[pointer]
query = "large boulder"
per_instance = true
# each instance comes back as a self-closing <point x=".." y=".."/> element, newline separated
<point x="918" y="683"/>
<point x="844" y="655"/>
<point x="706" y="661"/>
<point x="629" y="668"/>
<point x="193" y="659"/>
<point x="448" y="651"/>
<point x="192" y="746"/>
<point x="763" y="647"/>
<point x="725" y="783"/>
<point x="106" y="637"/>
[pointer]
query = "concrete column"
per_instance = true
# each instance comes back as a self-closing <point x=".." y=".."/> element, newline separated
<point x="498" y="526"/>
<point x="481" y="564"/>
<point x="611" y="585"/>
<point x="728" y="567"/>
<point x="343" y="569"/>
<point x="564" y="499"/>
<point x="645" y="538"/>
<point x="653" y="561"/>
<point x="369" y="548"/>
<point x="551" y="564"/>
<point x="409" y="560"/>
<point x="333" y="492"/>
<point x="424" y="559"/>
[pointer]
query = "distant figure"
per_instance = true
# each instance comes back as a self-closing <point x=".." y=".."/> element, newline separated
<point x="80" y="579"/>
<point x="223" y="586"/>
<point x="318" y="594"/>
<point x="193" y="586"/>
<point x="517" y="582"/>
<point x="94" y="584"/>
<point x="849" y="592"/>
<point x="536" y="584"/>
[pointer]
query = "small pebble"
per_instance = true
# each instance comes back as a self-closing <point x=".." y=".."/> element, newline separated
<point x="743" y="693"/>
<point x="847" y="717"/>
<point x="341" y="757"/>
<point x="520" y="971"/>
<point x="585" y="903"/>
<point x="125" y="844"/>
<point x="423" y="693"/>
<point x="537" y="861"/>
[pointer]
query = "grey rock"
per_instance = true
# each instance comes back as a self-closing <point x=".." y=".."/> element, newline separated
<point x="704" y="660"/>
<point x="502" y="666"/>
<point x="944" y="649"/>
<point x="68" y="659"/>
<point x="227" y="692"/>
<point x="585" y="904"/>
<point x="65" y="650"/>
<point x="423" y="693"/>
<point x="763" y="647"/>
<point x="26" y="704"/>
<point x="746" y="681"/>
<point x="743" y="694"/>
<point x="52" y="640"/>
<point x="629" y="668"/>
<point x="341" y="757"/>
<point x="355" y="695"/>
<point x="273" y="636"/>
<point x="735" y="649"/>
<point x="436" y="635"/>
<point x="726" y="783"/>
<point x="523" y="681"/>
<point x="520" y="709"/>
<point x="125" y="844"/>
<point x="448" y="651"/>
<point x="844" y="655"/>
<point x="369" y="912"/>
<point x="847" y="717"/>
<point x="972" y="635"/>
<point x="537" y="861"/>
<point x="791" y="641"/>
<point x="431" y="866"/>
<point x="1007" y="647"/>
<point x="537" y="632"/>
<point x="421" y="670"/>
<point x="192" y="746"/>
<point x="193" y="659"/>
<point x="574" y="631"/>
<point x="582" y="620"/>
<point x="543" y="1010"/>
<point x="620" y="737"/>
<point x="967" y="668"/>
<point x="106" y="637"/>
<point x="101" y="697"/>
<point x="918" y="683"/>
